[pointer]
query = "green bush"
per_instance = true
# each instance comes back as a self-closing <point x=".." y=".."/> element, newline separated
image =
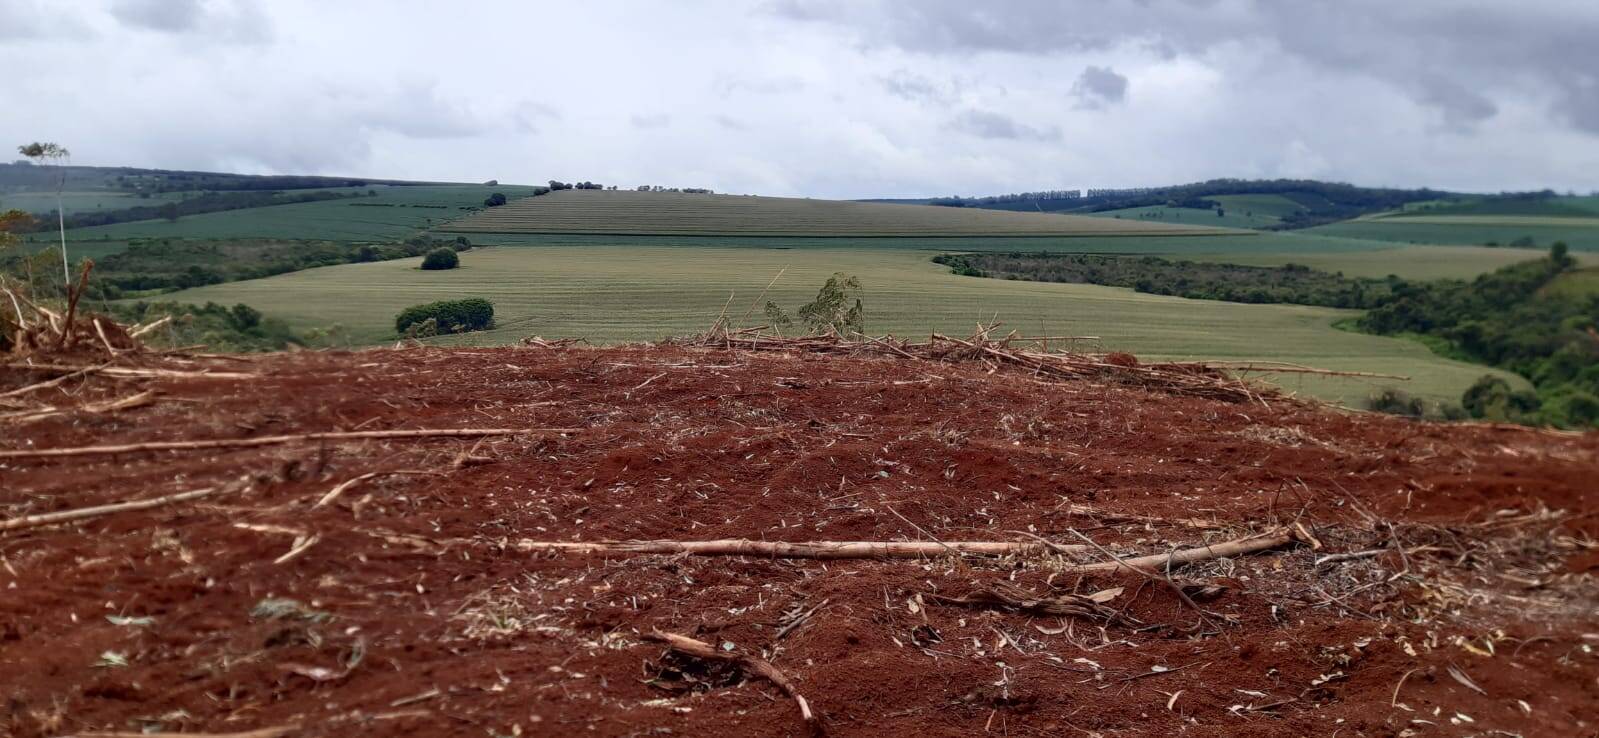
<point x="441" y="258"/>
<point x="450" y="316"/>
<point x="1396" y="402"/>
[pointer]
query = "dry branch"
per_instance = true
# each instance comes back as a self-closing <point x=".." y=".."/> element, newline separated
<point x="274" y="440"/>
<point x="342" y="487"/>
<point x="1238" y="547"/>
<point x="1013" y="598"/>
<point x="34" y="521"/>
<point x="759" y="667"/>
<point x="124" y="371"/>
<point x="277" y="732"/>
<point x="801" y="550"/>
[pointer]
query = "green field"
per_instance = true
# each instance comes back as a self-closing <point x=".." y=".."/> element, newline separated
<point x="604" y="212"/>
<point x="394" y="214"/>
<point x="1189" y="217"/>
<point x="1580" y="233"/>
<point x="631" y="293"/>
<point x="1582" y="283"/>
<point x="81" y="202"/>
<point x="1410" y="262"/>
<point x="1239" y="211"/>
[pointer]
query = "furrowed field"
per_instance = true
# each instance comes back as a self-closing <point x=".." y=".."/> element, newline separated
<point x="632" y="292"/>
<point x="665" y="213"/>
<point x="396" y="212"/>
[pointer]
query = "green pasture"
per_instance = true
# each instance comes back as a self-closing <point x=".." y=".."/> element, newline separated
<point x="81" y="202"/>
<point x="625" y="293"/>
<point x="394" y="214"/>
<point x="1581" y="234"/>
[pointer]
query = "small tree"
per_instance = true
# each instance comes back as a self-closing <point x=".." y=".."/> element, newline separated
<point x="495" y="200"/>
<point x="838" y="307"/>
<point x="53" y="154"/>
<point x="441" y="258"/>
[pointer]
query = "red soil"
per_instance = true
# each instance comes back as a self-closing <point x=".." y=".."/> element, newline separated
<point x="143" y="620"/>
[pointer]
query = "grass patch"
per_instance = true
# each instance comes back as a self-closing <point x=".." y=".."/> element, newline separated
<point x="620" y="293"/>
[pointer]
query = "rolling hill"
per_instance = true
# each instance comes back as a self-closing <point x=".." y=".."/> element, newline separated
<point x="620" y="212"/>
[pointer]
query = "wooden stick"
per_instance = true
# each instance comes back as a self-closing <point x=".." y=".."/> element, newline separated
<point x="333" y="494"/>
<point x="143" y="329"/>
<point x="907" y="550"/>
<point x="1236" y="547"/>
<point x="1282" y="367"/>
<point x="759" y="667"/>
<point x="800" y="550"/>
<point x="34" y="521"/>
<point x="123" y="371"/>
<point x="47" y="384"/>
<point x="277" y="732"/>
<point x="273" y="441"/>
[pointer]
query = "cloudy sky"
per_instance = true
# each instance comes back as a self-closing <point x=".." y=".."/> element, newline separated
<point x="825" y="98"/>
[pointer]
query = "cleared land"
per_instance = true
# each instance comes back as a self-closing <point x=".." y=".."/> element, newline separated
<point x="1452" y="573"/>
<point x="395" y="213"/>
<point x="633" y="293"/>
<point x="665" y="213"/>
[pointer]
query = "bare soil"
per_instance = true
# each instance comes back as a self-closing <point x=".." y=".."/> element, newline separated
<point x="411" y="609"/>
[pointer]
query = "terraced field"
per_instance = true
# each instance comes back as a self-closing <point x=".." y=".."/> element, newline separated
<point x="631" y="293"/>
<point x="665" y="213"/>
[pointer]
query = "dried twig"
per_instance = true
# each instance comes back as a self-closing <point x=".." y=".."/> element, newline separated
<point x="333" y="494"/>
<point x="34" y="521"/>
<point x="275" y="440"/>
<point x="759" y="667"/>
<point x="799" y="550"/>
<point x="277" y="732"/>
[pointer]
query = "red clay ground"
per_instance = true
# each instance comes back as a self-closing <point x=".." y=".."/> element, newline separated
<point x="416" y="613"/>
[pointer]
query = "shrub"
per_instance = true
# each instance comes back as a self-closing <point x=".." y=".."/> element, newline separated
<point x="495" y="200"/>
<point x="449" y="316"/>
<point x="1396" y="402"/>
<point x="441" y="258"/>
<point x="461" y="244"/>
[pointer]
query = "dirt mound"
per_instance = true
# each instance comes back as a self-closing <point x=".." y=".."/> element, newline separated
<point x="334" y="577"/>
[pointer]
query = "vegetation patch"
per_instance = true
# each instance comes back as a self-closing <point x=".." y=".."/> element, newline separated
<point x="447" y="316"/>
<point x="441" y="258"/>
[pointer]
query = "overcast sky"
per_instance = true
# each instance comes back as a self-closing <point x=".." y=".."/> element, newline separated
<point x="825" y="98"/>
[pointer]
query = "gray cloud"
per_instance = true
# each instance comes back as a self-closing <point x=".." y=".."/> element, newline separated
<point x="159" y="15"/>
<point x="1097" y="87"/>
<point x="987" y="124"/>
<point x="826" y="98"/>
<point x="659" y="120"/>
<point x="1479" y="44"/>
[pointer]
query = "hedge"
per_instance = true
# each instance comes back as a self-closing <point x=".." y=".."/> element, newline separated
<point x="452" y="316"/>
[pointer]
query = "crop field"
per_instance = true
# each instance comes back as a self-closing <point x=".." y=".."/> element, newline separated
<point x="395" y="213"/>
<point x="634" y="293"/>
<point x="1580" y="233"/>
<point x="1410" y="262"/>
<point x="1188" y="216"/>
<point x="1580" y="284"/>
<point x="80" y="202"/>
<point x="1273" y="206"/>
<point x="666" y="213"/>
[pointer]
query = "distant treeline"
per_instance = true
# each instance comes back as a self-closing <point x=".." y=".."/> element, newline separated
<point x="1503" y="318"/>
<point x="210" y="202"/>
<point x="1292" y="283"/>
<point x="28" y="177"/>
<point x="1322" y="202"/>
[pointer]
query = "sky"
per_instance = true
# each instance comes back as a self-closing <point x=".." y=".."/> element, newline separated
<point x="819" y="98"/>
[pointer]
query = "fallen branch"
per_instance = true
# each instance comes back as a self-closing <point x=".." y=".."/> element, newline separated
<point x="1223" y="550"/>
<point x="274" y="440"/>
<point x="34" y="521"/>
<point x="47" y="384"/>
<point x="761" y="668"/>
<point x="277" y="732"/>
<point x="801" y="550"/>
<point x="125" y="371"/>
<point x="333" y="494"/>
<point x="1012" y="598"/>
